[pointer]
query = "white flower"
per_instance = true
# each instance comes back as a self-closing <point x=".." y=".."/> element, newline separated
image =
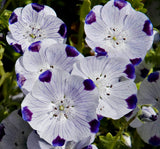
<point x="33" y="23"/>
<point x="149" y="94"/>
<point x="113" y="78"/>
<point x="63" y="109"/>
<point x="40" y="59"/>
<point x="14" y="132"/>
<point x="119" y="30"/>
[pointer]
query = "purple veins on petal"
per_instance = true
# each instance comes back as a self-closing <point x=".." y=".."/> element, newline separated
<point x="58" y="141"/>
<point x="144" y="72"/>
<point x="131" y="101"/>
<point x="17" y="47"/>
<point x="35" y="47"/>
<point x="153" y="77"/>
<point x="26" y="114"/>
<point x="100" y="51"/>
<point x="37" y="7"/>
<point x="136" y="61"/>
<point x="120" y="3"/>
<point x="94" y="126"/>
<point x="155" y="141"/>
<point x="148" y="28"/>
<point x="13" y="18"/>
<point x="90" y="18"/>
<point x="20" y="79"/>
<point x="88" y="84"/>
<point x="63" y="30"/>
<point x="130" y="71"/>
<point x="45" y="76"/>
<point x="71" y="51"/>
<point x="2" y="132"/>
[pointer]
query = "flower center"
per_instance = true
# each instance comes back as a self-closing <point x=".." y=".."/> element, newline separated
<point x="103" y="85"/>
<point x="34" y="33"/>
<point x="61" y="108"/>
<point x="115" y="37"/>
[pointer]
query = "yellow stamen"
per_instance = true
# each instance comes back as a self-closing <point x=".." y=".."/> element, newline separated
<point x="61" y="108"/>
<point x="114" y="38"/>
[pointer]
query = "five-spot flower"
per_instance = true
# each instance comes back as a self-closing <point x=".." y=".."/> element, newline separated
<point x="114" y="80"/>
<point x="33" y="23"/>
<point x="149" y="99"/>
<point x="63" y="109"/>
<point x="37" y="62"/>
<point x="119" y="30"/>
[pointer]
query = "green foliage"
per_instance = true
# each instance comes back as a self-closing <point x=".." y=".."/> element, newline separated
<point x="4" y="17"/>
<point x="138" y="5"/>
<point x="153" y="56"/>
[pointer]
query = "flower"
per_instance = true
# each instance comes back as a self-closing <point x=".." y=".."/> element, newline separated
<point x="40" y="59"/>
<point x="148" y="121"/>
<point x="149" y="94"/>
<point x="35" y="142"/>
<point x="119" y="30"/>
<point x="33" y="23"/>
<point x="14" y="132"/>
<point x="63" y="109"/>
<point x="114" y="80"/>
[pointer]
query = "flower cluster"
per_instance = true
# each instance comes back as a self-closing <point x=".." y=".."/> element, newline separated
<point x="65" y="92"/>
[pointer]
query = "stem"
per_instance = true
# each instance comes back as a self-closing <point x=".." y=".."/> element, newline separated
<point x="122" y="130"/>
<point x="85" y="8"/>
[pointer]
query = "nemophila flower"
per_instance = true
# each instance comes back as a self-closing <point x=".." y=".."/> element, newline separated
<point x="149" y="99"/>
<point x="37" y="62"/>
<point x="35" y="142"/>
<point x="14" y="132"/>
<point x="114" y="80"/>
<point x="119" y="30"/>
<point x="63" y="109"/>
<point x="33" y="23"/>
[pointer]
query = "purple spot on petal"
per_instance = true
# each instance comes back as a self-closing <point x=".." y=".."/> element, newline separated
<point x="13" y="18"/>
<point x="153" y="77"/>
<point x="71" y="51"/>
<point x="94" y="126"/>
<point x="20" y="79"/>
<point x="35" y="47"/>
<point x="45" y="76"/>
<point x="153" y="117"/>
<point x="88" y="84"/>
<point x="58" y="141"/>
<point x="148" y="28"/>
<point x="120" y="3"/>
<point x="100" y="51"/>
<point x="131" y="101"/>
<point x="144" y="72"/>
<point x="100" y="117"/>
<point x="37" y="7"/>
<point x="155" y="141"/>
<point x="17" y="47"/>
<point x="90" y="18"/>
<point x="130" y="71"/>
<point x="136" y="61"/>
<point x="63" y="30"/>
<point x="26" y="114"/>
<point x="2" y="132"/>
